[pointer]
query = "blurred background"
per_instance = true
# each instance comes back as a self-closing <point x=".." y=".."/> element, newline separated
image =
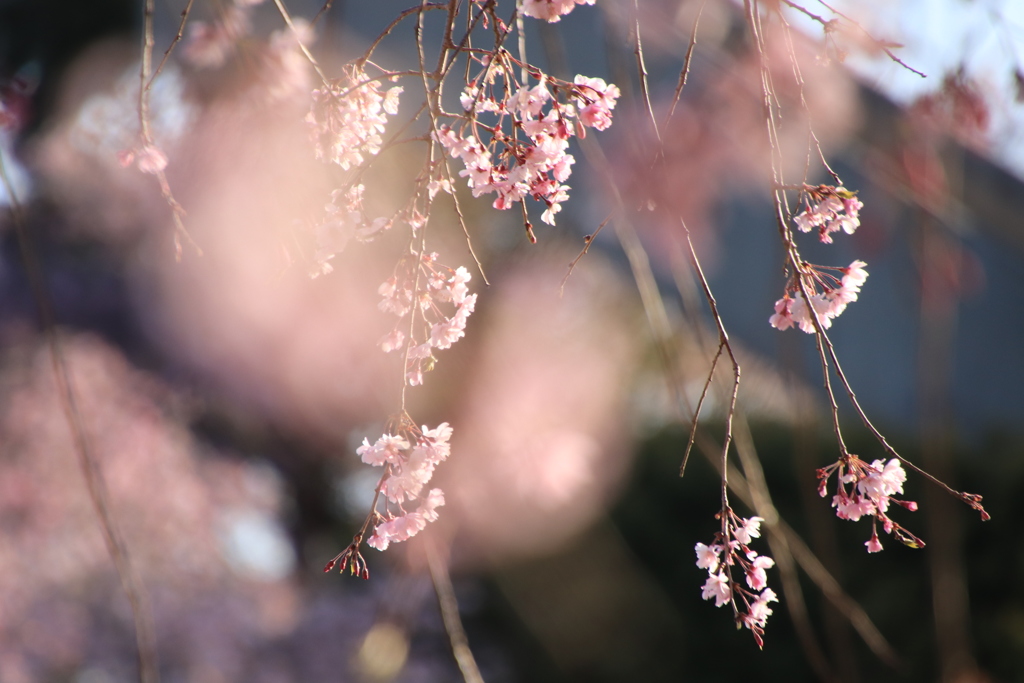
<point x="224" y="394"/>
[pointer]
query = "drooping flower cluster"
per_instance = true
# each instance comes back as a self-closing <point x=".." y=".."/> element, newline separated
<point x="730" y="550"/>
<point x="348" y="117"/>
<point x="410" y="464"/>
<point x="531" y="160"/>
<point x="345" y="219"/>
<point x="829" y="209"/>
<point x="829" y="303"/>
<point x="423" y="284"/>
<point x="865" y="490"/>
<point x="833" y="209"/>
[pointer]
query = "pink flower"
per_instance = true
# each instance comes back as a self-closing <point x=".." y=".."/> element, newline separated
<point x="717" y="587"/>
<point x="457" y="285"/>
<point x="410" y="477"/>
<point x="751" y="529"/>
<point x="756" y="576"/>
<point x="392" y="341"/>
<point x="551" y="10"/>
<point x="882" y="481"/>
<point x="150" y="159"/>
<point x="428" y="509"/>
<point x="759" y="611"/>
<point x="529" y="101"/>
<point x="832" y="213"/>
<point x="348" y="117"/>
<point x="783" y="317"/>
<point x="854" y="275"/>
<point x="596" y="99"/>
<point x="707" y="556"/>
<point x="408" y="525"/>
<point x="852" y="508"/>
<point x="873" y="544"/>
<point x="434" y="442"/>
<point x="388" y="448"/>
<point x="447" y="332"/>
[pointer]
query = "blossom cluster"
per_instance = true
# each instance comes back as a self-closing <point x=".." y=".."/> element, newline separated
<point x="410" y="466"/>
<point x="345" y="219"/>
<point x="829" y="209"/>
<point x="348" y="117"/>
<point x="730" y="550"/>
<point x="866" y="490"/>
<point x="834" y="209"/>
<point x="836" y="292"/>
<point x="537" y="166"/>
<point x="421" y="283"/>
<point x="551" y="10"/>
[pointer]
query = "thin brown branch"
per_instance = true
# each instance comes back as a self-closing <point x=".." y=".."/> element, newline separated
<point x="323" y="10"/>
<point x="131" y="584"/>
<point x="588" y="240"/>
<point x="450" y="613"/>
<point x="685" y="72"/>
<point x="696" y="412"/>
<point x="781" y="552"/>
<point x="641" y="67"/>
<point x="971" y="499"/>
<point x="723" y="341"/>
<point x="145" y="82"/>
<point x="298" y="39"/>
<point x="395" y="22"/>
<point x="174" y="42"/>
<point x="809" y="563"/>
<point x="828" y="23"/>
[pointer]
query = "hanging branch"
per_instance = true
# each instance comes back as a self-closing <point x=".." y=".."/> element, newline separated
<point x="131" y="584"/>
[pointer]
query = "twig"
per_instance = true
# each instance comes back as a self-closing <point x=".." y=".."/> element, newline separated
<point x="784" y="560"/>
<point x="685" y="72"/>
<point x="641" y="67"/>
<point x="450" y="613"/>
<point x="298" y="39"/>
<point x="145" y="83"/>
<point x="879" y="43"/>
<point x="323" y="10"/>
<point x="827" y="24"/>
<point x="395" y="22"/>
<point x="696" y="412"/>
<point x="174" y="42"/>
<point x="130" y="582"/>
<point x="588" y="240"/>
<point x="809" y="562"/>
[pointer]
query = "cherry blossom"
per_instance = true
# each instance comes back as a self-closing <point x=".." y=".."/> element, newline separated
<point x="596" y="99"/>
<point x="730" y="551"/>
<point x="792" y="310"/>
<point x="437" y="286"/>
<point x="404" y="527"/>
<point x="759" y="611"/>
<point x="513" y="168"/>
<point x="411" y="459"/>
<point x="345" y="219"/>
<point x="867" y="490"/>
<point x="348" y="117"/>
<point x="756" y="576"/>
<point x="717" y="587"/>
<point x="551" y="10"/>
<point x="386" y="449"/>
<point x="835" y="209"/>
<point x="707" y="556"/>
